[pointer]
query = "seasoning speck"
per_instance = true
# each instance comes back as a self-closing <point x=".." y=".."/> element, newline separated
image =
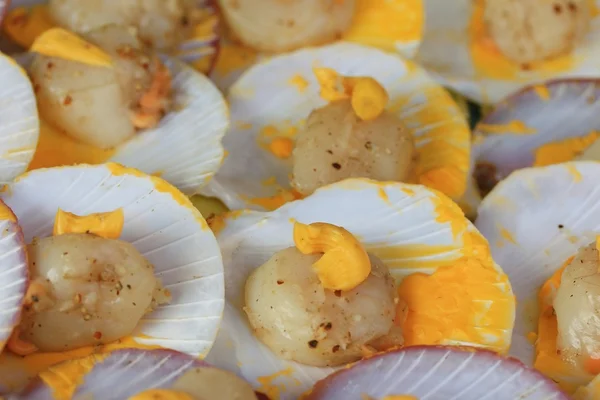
<point x="313" y="344"/>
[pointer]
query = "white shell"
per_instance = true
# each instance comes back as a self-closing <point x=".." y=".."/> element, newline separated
<point x="264" y="96"/>
<point x="159" y="221"/>
<point x="384" y="216"/>
<point x="123" y="374"/>
<point x="558" y="110"/>
<point x="185" y="147"/>
<point x="19" y="126"/>
<point x="534" y="221"/>
<point x="445" y="52"/>
<point x="13" y="272"/>
<point x="438" y="373"/>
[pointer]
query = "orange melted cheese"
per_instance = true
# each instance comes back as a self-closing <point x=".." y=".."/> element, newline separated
<point x="489" y="62"/>
<point x="473" y="304"/>
<point x="55" y="149"/>
<point x="386" y="24"/>
<point x="547" y="358"/>
<point x="107" y="225"/>
<point x="563" y="150"/>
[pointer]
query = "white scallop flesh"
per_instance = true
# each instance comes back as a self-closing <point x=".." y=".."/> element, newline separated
<point x="335" y="145"/>
<point x="94" y="104"/>
<point x="276" y="26"/>
<point x="299" y="320"/>
<point x="533" y="30"/>
<point x="95" y="290"/>
<point x="577" y="307"/>
<point x="162" y="24"/>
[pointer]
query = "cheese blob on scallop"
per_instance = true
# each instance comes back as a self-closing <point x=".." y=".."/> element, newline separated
<point x="358" y="267"/>
<point x="106" y="96"/>
<point x="102" y="105"/>
<point x="487" y="49"/>
<point x="88" y="290"/>
<point x="115" y="256"/>
<point x="548" y="246"/>
<point x="314" y="117"/>
<point x="300" y="320"/>
<point x="186" y="29"/>
<point x="135" y="374"/>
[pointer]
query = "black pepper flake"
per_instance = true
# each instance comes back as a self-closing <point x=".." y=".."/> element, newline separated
<point x="572" y="6"/>
<point x="313" y="344"/>
<point x="328" y="326"/>
<point x="557" y="8"/>
<point x="338" y="293"/>
<point x="560" y="226"/>
<point x="335" y="348"/>
<point x="336" y="165"/>
<point x="330" y="152"/>
<point x="279" y="282"/>
<point x="128" y="286"/>
<point x="35" y="298"/>
<point x="368" y="146"/>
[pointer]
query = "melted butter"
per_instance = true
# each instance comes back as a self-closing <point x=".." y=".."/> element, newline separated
<point x="107" y="225"/>
<point x="547" y="359"/>
<point x="489" y="62"/>
<point x="563" y="150"/>
<point x="55" y="149"/>
<point x="513" y="127"/>
<point x="386" y="23"/>
<point x="267" y="385"/>
<point x="161" y="394"/>
<point x="60" y="43"/>
<point x="299" y="82"/>
<point x="6" y="214"/>
<point x="24" y="25"/>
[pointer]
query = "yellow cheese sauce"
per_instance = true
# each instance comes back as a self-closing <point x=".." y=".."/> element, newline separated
<point x="6" y="214"/>
<point x="489" y="62"/>
<point x="55" y="149"/>
<point x="268" y="385"/>
<point x="563" y="150"/>
<point x="233" y="57"/>
<point x="513" y="127"/>
<point x="63" y="379"/>
<point x="279" y="141"/>
<point x="442" y="141"/>
<point x="161" y="394"/>
<point x="472" y="302"/>
<point x="299" y="82"/>
<point x="271" y="203"/>
<point x="386" y="24"/>
<point x="107" y="225"/>
<point x="542" y="91"/>
<point x="547" y="359"/>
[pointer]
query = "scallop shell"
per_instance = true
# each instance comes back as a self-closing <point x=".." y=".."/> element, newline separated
<point x="268" y="97"/>
<point x="409" y="227"/>
<point x="446" y="52"/>
<point x="159" y="221"/>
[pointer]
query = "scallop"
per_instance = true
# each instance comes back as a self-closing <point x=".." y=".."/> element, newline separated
<point x="577" y="307"/>
<point x="299" y="320"/>
<point x="335" y="144"/>
<point x="89" y="290"/>
<point x="276" y="26"/>
<point x="533" y="30"/>
<point x="160" y="23"/>
<point x="98" y="105"/>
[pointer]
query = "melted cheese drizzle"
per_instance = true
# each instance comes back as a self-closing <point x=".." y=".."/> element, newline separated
<point x="472" y="301"/>
<point x="107" y="225"/>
